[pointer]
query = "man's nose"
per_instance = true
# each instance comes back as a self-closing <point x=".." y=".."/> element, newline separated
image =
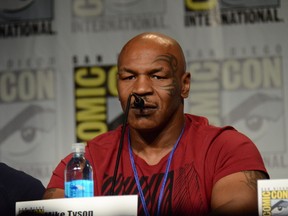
<point x="143" y="85"/>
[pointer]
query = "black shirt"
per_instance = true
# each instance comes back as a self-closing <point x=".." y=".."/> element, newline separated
<point x="17" y="186"/>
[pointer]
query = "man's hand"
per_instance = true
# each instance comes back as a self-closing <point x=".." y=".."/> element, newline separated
<point x="53" y="193"/>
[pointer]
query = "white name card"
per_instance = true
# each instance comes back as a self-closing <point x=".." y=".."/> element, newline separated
<point x="124" y="205"/>
<point x="272" y="197"/>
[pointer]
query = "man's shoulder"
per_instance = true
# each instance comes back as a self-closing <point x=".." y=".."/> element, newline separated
<point x="199" y="126"/>
<point x="201" y="122"/>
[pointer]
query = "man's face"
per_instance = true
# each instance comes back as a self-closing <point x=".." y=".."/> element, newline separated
<point x="151" y="71"/>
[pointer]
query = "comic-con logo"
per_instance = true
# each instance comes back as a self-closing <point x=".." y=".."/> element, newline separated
<point x="28" y="113"/>
<point x="240" y="92"/>
<point x="20" y="18"/>
<point x="230" y="12"/>
<point x="115" y="15"/>
<point x="274" y="202"/>
<point x="97" y="108"/>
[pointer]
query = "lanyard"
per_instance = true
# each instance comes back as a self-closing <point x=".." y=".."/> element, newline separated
<point x="164" y="178"/>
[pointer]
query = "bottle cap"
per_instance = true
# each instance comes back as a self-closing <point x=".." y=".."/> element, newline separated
<point x="78" y="147"/>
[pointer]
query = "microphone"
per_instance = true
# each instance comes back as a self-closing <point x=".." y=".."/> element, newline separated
<point x="138" y="102"/>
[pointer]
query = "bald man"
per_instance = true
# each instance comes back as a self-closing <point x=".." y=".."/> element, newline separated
<point x="176" y="162"/>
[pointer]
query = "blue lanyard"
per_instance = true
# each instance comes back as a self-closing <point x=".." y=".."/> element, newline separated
<point x="164" y="179"/>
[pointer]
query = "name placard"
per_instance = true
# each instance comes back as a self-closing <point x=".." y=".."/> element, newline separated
<point x="124" y="205"/>
<point x="272" y="197"/>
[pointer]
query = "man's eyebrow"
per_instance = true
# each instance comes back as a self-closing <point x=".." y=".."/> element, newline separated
<point x="155" y="70"/>
<point x="127" y="70"/>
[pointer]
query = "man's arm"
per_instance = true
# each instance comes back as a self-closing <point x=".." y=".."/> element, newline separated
<point x="236" y="194"/>
<point x="53" y="193"/>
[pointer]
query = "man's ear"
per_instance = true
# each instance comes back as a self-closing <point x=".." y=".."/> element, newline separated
<point x="186" y="79"/>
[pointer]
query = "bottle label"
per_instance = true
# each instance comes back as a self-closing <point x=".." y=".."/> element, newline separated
<point x="79" y="188"/>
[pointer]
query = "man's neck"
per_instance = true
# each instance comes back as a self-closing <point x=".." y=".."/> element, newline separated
<point x="152" y="147"/>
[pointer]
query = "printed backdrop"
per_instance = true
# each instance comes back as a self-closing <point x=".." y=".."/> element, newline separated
<point x="58" y="68"/>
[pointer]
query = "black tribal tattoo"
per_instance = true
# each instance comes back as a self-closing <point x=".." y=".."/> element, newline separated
<point x="252" y="177"/>
<point x="173" y="63"/>
<point x="171" y="59"/>
<point x="170" y="88"/>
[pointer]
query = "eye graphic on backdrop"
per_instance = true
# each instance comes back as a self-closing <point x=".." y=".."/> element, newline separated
<point x="24" y="11"/>
<point x="14" y="5"/>
<point x="28" y="134"/>
<point x="280" y="208"/>
<point x="247" y="3"/>
<point x="8" y="8"/>
<point x="118" y="6"/>
<point x="132" y="6"/>
<point x="22" y="134"/>
<point x="255" y="114"/>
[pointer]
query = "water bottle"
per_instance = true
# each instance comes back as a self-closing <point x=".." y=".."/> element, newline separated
<point x="79" y="174"/>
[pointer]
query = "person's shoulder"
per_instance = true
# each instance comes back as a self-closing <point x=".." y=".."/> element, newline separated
<point x="199" y="126"/>
<point x="4" y="167"/>
<point x="11" y="172"/>
<point x="13" y="175"/>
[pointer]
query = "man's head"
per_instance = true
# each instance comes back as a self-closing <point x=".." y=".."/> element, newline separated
<point x="153" y="66"/>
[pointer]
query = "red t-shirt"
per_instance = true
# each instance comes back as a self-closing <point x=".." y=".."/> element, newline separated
<point x="204" y="155"/>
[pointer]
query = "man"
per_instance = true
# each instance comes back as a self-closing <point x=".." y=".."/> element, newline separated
<point x="17" y="186"/>
<point x="177" y="160"/>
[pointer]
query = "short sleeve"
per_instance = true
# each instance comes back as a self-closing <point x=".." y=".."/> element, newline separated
<point x="236" y="153"/>
<point x="57" y="178"/>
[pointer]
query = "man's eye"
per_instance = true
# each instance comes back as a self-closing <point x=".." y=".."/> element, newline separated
<point x="128" y="77"/>
<point x="157" y="77"/>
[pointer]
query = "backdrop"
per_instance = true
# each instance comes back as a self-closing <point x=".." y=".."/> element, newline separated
<point x="58" y="68"/>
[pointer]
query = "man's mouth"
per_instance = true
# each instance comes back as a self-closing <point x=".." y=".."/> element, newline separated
<point x="146" y="110"/>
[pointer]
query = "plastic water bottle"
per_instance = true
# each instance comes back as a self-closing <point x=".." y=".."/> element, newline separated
<point x="79" y="174"/>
